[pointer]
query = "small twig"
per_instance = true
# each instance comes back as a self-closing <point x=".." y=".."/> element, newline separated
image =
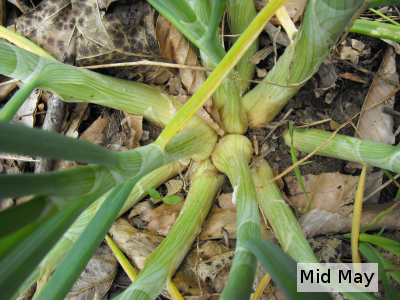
<point x="314" y="123"/>
<point x="231" y="35"/>
<point x="365" y="71"/>
<point x="381" y="187"/>
<point x="223" y="29"/>
<point x="17" y="157"/>
<point x="52" y="122"/>
<point x="32" y="114"/>
<point x="277" y="125"/>
<point x="148" y="63"/>
<point x="225" y="234"/>
<point x="390" y="111"/>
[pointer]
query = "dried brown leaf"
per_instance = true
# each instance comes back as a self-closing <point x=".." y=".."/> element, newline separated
<point x="6" y="88"/>
<point x="261" y="72"/>
<point x="328" y="191"/>
<point x="175" y="46"/>
<point x="321" y="222"/>
<point x="173" y="186"/>
<point x="106" y="38"/>
<point x="275" y="34"/>
<point x="23" y="5"/>
<point x="374" y="124"/>
<point x="209" y="269"/>
<point x="261" y="55"/>
<point x="163" y="218"/>
<point x="347" y="53"/>
<point x="327" y="250"/>
<point x="352" y="77"/>
<point x="51" y="25"/>
<point x="209" y="265"/>
<point x="95" y="132"/>
<point x="358" y="45"/>
<point x="327" y="74"/>
<point x="26" y="113"/>
<point x="133" y="130"/>
<point x="137" y="245"/>
<point x="143" y="210"/>
<point x="97" y="276"/>
<point x="79" y="114"/>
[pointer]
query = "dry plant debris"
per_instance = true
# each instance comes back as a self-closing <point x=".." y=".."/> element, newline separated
<point x="85" y="33"/>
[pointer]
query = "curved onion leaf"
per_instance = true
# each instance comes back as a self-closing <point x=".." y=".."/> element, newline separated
<point x="374" y="256"/>
<point x="79" y="255"/>
<point x="16" y="266"/>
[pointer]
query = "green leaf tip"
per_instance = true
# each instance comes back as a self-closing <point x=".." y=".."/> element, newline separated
<point x="154" y="194"/>
<point x="171" y="199"/>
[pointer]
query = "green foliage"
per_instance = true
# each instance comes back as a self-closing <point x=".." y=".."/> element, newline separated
<point x="154" y="194"/>
<point x="297" y="171"/>
<point x="281" y="267"/>
<point x="29" y="231"/>
<point x="171" y="199"/>
<point x="374" y="256"/>
<point x="75" y="261"/>
<point x="168" y="199"/>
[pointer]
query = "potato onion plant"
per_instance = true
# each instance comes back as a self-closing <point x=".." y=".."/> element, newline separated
<point x="57" y="231"/>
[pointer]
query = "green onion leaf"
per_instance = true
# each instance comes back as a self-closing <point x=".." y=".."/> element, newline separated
<point x="281" y="267"/>
<point x="79" y="255"/>
<point x="374" y="256"/>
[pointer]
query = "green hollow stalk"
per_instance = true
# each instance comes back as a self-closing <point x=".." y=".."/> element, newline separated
<point x="377" y="29"/>
<point x="324" y="22"/>
<point x="220" y="72"/>
<point x="232" y="156"/>
<point x="376" y="3"/>
<point x="283" y="221"/>
<point x="80" y="253"/>
<point x="8" y="111"/>
<point x="95" y="180"/>
<point x="227" y="98"/>
<point x="162" y="263"/>
<point x="279" y="214"/>
<point x="240" y="15"/>
<point x="186" y="16"/>
<point x="72" y="84"/>
<point x="42" y="272"/>
<point x="347" y="148"/>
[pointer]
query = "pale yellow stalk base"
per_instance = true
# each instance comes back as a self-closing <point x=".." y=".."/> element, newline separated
<point x="286" y="21"/>
<point x="261" y="287"/>
<point x="232" y="156"/>
<point x="23" y="42"/>
<point x="173" y="291"/>
<point x="356" y="221"/>
<point x="123" y="261"/>
<point x="280" y="215"/>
